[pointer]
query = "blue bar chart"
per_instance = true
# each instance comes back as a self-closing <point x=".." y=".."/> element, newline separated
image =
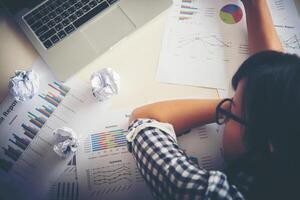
<point x="29" y="131"/>
<point x="5" y="165"/>
<point x="12" y="152"/>
<point x="20" y="142"/>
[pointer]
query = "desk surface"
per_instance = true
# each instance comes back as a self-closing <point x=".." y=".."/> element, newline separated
<point x="135" y="58"/>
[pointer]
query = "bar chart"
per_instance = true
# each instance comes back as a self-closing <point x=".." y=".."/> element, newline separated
<point x="12" y="152"/>
<point x="108" y="140"/>
<point x="45" y="110"/>
<point x="29" y="131"/>
<point x="5" y="165"/>
<point x="188" y="10"/>
<point x="37" y="121"/>
<point x="31" y="139"/>
<point x="55" y="99"/>
<point x="20" y="142"/>
<point x="64" y="191"/>
<point x="66" y="187"/>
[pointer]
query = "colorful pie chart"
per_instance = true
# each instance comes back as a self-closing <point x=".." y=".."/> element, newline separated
<point x="231" y="14"/>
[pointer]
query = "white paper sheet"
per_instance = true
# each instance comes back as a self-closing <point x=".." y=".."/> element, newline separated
<point x="284" y="12"/>
<point x="26" y="137"/>
<point x="200" y="49"/>
<point x="223" y="94"/>
<point x="204" y="145"/>
<point x="287" y="24"/>
<point x="106" y="170"/>
<point x="66" y="187"/>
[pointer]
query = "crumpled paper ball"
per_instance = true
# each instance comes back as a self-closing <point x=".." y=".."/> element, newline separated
<point x="24" y="85"/>
<point x="105" y="83"/>
<point x="66" y="142"/>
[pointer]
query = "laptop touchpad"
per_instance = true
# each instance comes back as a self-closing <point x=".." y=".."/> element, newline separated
<point x="108" y="29"/>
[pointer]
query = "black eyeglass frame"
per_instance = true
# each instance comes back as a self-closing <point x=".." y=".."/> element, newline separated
<point x="228" y="115"/>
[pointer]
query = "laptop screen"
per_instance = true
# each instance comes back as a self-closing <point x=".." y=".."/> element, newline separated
<point x="15" y="6"/>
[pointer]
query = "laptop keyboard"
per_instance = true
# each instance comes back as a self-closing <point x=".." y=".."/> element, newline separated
<point x="55" y="19"/>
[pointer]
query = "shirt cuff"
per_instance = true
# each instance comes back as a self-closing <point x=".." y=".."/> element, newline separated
<point x="138" y="125"/>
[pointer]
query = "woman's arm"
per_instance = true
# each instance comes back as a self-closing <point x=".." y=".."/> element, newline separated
<point x="185" y="114"/>
<point x="261" y="31"/>
<point x="182" y="114"/>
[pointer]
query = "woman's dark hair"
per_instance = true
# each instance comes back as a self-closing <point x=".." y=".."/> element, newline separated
<point x="271" y="108"/>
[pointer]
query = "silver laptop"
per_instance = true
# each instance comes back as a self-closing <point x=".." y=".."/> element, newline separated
<point x="69" y="34"/>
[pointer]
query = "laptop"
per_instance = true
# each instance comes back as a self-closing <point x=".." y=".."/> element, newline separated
<point x="69" y="34"/>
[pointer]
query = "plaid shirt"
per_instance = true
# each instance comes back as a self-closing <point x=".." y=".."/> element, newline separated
<point x="168" y="170"/>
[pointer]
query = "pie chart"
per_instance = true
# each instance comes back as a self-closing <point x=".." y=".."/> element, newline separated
<point x="231" y="14"/>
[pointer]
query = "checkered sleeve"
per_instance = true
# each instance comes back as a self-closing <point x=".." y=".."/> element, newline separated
<point x="167" y="169"/>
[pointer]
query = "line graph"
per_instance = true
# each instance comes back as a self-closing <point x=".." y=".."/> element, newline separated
<point x="207" y="41"/>
<point x="114" y="174"/>
<point x="292" y="42"/>
<point x="113" y="178"/>
<point x="209" y="47"/>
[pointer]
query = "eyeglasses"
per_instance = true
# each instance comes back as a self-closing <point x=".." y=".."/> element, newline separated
<point x="222" y="115"/>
